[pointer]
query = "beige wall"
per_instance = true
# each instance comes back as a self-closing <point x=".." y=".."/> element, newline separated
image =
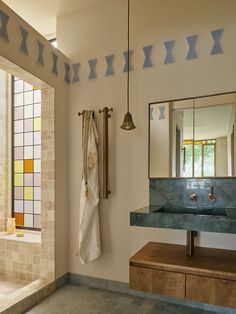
<point x="101" y="31"/>
<point x="10" y="50"/>
<point x="160" y="130"/>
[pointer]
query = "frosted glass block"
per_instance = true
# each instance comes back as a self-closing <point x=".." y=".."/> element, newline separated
<point x="28" y="98"/>
<point x="28" y="111"/>
<point x="37" y="221"/>
<point x="27" y="87"/>
<point x="28" y="207"/>
<point x="37" y="96"/>
<point x="28" y="125"/>
<point x="37" y="194"/>
<point x="37" y="152"/>
<point x="28" y="138"/>
<point x="37" y="124"/>
<point x="28" y="220"/>
<point x="18" y="113"/>
<point x="37" y="138"/>
<point x="18" y="166"/>
<point x="28" y="152"/>
<point x="18" y="179"/>
<point x="37" y="207"/>
<point x="18" y="86"/>
<point x="28" y="193"/>
<point x="18" y="100"/>
<point x="18" y="139"/>
<point x="37" y="110"/>
<point x="37" y="165"/>
<point x="37" y="179"/>
<point x="18" y="206"/>
<point x="18" y="193"/>
<point x="28" y="179"/>
<point x="18" y="153"/>
<point x="18" y="126"/>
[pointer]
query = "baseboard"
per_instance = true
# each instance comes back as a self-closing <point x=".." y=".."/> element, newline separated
<point x="62" y="281"/>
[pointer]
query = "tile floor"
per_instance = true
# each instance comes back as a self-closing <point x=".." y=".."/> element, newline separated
<point x="9" y="286"/>
<point x="84" y="300"/>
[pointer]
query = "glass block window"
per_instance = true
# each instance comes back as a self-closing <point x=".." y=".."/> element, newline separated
<point x="26" y="154"/>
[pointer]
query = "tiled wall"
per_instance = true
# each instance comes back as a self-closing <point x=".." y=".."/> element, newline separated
<point x="3" y="150"/>
<point x="177" y="191"/>
<point x="47" y="251"/>
<point x="48" y="186"/>
<point x="20" y="260"/>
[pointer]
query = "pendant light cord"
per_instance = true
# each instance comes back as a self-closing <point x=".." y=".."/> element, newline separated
<point x="128" y="58"/>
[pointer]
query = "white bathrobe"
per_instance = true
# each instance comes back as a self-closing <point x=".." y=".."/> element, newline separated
<point x="89" y="244"/>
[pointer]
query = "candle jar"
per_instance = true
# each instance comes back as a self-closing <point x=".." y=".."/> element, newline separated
<point x="11" y="225"/>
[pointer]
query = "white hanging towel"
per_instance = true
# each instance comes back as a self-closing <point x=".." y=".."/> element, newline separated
<point x="89" y="243"/>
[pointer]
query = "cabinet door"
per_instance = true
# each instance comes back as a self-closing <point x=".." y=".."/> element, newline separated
<point x="140" y="278"/>
<point x="168" y="283"/>
<point x="211" y="290"/>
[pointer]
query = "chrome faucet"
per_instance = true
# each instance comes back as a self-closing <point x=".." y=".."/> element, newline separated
<point x="193" y="197"/>
<point x="211" y="195"/>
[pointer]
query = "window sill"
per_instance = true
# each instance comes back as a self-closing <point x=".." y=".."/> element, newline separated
<point x="29" y="237"/>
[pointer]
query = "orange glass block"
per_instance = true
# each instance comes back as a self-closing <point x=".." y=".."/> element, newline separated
<point x="28" y="166"/>
<point x="19" y="219"/>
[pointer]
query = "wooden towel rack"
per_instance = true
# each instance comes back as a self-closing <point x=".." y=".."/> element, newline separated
<point x="106" y="116"/>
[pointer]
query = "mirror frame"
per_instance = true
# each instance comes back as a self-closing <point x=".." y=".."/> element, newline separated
<point x="182" y="99"/>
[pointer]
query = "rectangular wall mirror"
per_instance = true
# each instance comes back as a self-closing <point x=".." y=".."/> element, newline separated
<point x="193" y="138"/>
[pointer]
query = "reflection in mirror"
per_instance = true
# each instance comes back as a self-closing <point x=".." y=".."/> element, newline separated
<point x="171" y="124"/>
<point x="214" y="136"/>
<point x="193" y="138"/>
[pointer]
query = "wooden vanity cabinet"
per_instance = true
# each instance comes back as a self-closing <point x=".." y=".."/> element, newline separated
<point x="157" y="281"/>
<point x="208" y="277"/>
<point x="211" y="290"/>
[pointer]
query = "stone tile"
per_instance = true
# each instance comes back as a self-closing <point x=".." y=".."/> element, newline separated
<point x="83" y="300"/>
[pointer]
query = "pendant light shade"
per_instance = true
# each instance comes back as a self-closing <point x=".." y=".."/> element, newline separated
<point x="128" y="123"/>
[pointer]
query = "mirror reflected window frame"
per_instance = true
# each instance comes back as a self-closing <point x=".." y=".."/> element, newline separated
<point x="206" y="146"/>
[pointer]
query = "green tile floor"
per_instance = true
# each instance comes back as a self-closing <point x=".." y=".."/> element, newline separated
<point x="73" y="299"/>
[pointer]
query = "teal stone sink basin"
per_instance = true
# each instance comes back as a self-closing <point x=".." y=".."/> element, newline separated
<point x="192" y="210"/>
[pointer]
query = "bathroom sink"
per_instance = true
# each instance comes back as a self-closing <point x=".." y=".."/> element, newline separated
<point x="191" y="210"/>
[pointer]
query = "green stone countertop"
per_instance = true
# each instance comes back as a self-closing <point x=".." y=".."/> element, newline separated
<point x="185" y="218"/>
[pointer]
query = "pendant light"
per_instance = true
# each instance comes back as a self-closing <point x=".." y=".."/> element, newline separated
<point x="128" y="124"/>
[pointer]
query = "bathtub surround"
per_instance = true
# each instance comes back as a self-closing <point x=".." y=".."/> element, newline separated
<point x="20" y="260"/>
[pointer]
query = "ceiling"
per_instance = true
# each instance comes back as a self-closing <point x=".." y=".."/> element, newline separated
<point x="210" y="122"/>
<point x="42" y="14"/>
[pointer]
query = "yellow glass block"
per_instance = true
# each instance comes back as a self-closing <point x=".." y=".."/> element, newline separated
<point x="37" y="124"/>
<point x="18" y="180"/>
<point x="28" y="193"/>
<point x="18" y="166"/>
